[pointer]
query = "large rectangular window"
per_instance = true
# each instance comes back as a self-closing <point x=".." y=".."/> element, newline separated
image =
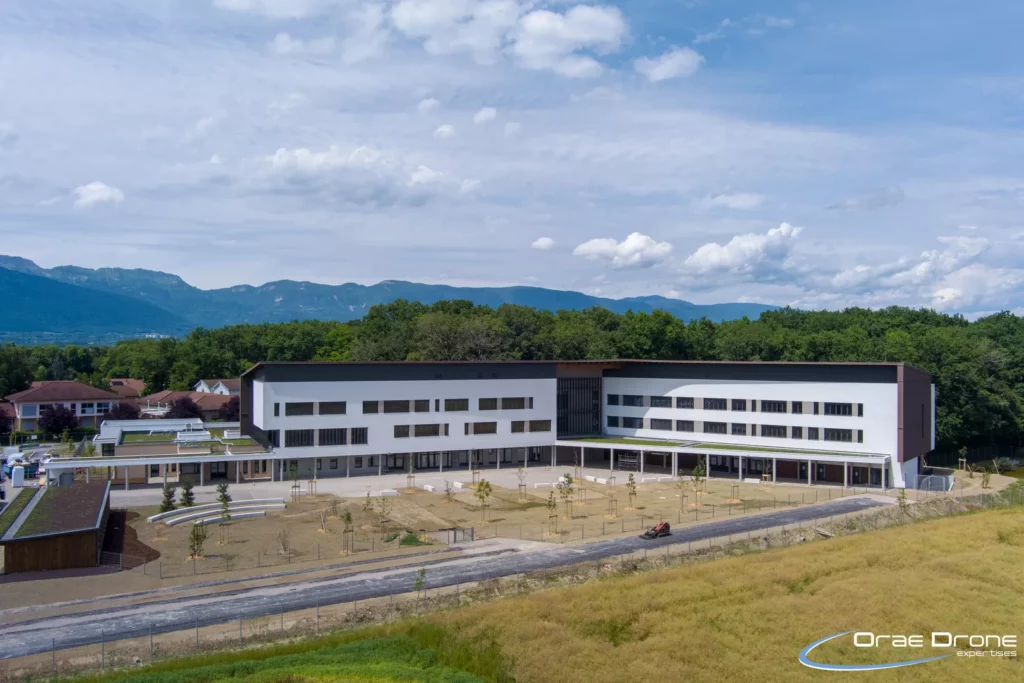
<point x="519" y="426"/>
<point x="359" y="436"/>
<point x="739" y="404"/>
<point x="371" y="407"/>
<point x="773" y="406"/>
<point x="277" y="410"/>
<point x="797" y="407"/>
<point x="633" y="401"/>
<point x="513" y="403"/>
<point x="540" y="425"/>
<point x="613" y="399"/>
<point x="295" y="409"/>
<point x="860" y="436"/>
<point x="487" y="404"/>
<point x="485" y="428"/>
<point x="860" y="413"/>
<point x="333" y="437"/>
<point x="396" y="406"/>
<point x="332" y="407"/>
<point x="661" y="401"/>
<point x="774" y="431"/>
<point x="421" y="405"/>
<point x="716" y="428"/>
<point x="715" y="404"/>
<point x="297" y="438"/>
<point x="401" y="431"/>
<point x="796" y="432"/>
<point x="632" y="423"/>
<point x="812" y="434"/>
<point x="273" y="438"/>
<point x="456" y="405"/>
<point x="739" y="429"/>
<point x="684" y="425"/>
<point x="427" y="430"/>
<point x="838" y="434"/>
<point x="661" y="425"/>
<point x="838" y="409"/>
<point x="685" y="402"/>
<point x="613" y="421"/>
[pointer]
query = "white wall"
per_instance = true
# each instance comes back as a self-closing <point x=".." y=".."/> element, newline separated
<point x="381" y="425"/>
<point x="879" y="422"/>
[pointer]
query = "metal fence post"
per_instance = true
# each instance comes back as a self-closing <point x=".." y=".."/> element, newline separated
<point x="318" y="615"/>
<point x="239" y="630"/>
<point x="103" y="649"/>
<point x="197" y="631"/>
<point x="282" y="618"/>
<point x="151" y="642"/>
<point x="53" y="655"/>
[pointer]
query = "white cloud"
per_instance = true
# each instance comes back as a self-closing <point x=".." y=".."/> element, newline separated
<point x="423" y="175"/>
<point x="873" y="199"/>
<point x="367" y="34"/>
<point x="549" y="40"/>
<point x="740" y="201"/>
<point x="636" y="251"/>
<point x="216" y="160"/>
<point x="679" y="62"/>
<point x="512" y="129"/>
<point x="475" y="27"/>
<point x="543" y="243"/>
<point x="710" y="36"/>
<point x="284" y="44"/>
<point x="429" y="104"/>
<point x="278" y="9"/>
<point x="96" y="193"/>
<point x="778" y="22"/>
<point x="484" y="115"/>
<point x="469" y="185"/>
<point x="202" y="127"/>
<point x="289" y="102"/>
<point x="744" y="255"/>
<point x="333" y="157"/>
<point x="444" y="131"/>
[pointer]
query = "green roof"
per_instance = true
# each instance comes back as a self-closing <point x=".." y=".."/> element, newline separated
<point x="629" y="442"/>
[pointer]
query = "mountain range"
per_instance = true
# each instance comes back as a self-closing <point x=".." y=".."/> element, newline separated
<point x="69" y="304"/>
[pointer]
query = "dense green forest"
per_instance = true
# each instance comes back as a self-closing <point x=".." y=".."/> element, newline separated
<point x="978" y="366"/>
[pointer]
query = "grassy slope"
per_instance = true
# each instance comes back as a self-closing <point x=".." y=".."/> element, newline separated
<point x="741" y="619"/>
<point x="747" y="618"/>
<point x="14" y="508"/>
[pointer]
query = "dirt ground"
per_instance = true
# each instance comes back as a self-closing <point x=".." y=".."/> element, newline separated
<point x="251" y="548"/>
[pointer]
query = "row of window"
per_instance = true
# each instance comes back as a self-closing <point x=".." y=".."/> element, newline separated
<point x="342" y="436"/>
<point x="737" y="429"/>
<point x="87" y="408"/>
<point x="451" y="405"/>
<point x="736" y="404"/>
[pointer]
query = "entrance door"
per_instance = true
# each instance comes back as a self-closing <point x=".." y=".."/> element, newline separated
<point x="218" y="470"/>
<point x="803" y="471"/>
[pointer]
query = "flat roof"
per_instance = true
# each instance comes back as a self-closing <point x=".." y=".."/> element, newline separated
<point x="65" y="509"/>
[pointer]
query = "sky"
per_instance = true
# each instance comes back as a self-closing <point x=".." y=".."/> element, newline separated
<point x="815" y="154"/>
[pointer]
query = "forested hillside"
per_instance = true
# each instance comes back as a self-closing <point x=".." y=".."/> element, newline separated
<point x="978" y="366"/>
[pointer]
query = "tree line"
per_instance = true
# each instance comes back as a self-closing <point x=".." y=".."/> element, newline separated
<point x="978" y="366"/>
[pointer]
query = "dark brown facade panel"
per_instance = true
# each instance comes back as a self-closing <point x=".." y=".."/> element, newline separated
<point x="49" y="553"/>
<point x="914" y="418"/>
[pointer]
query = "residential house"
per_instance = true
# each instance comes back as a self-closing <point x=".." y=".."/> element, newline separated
<point x="88" y="403"/>
<point x="126" y="387"/>
<point x="157" y="405"/>
<point x="225" y="387"/>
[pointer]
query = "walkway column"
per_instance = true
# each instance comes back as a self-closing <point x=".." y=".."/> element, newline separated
<point x="87" y="474"/>
<point x="641" y="462"/>
<point x="440" y="461"/>
<point x="238" y="471"/>
<point x="554" y="455"/>
<point x="348" y="464"/>
<point x="380" y="466"/>
<point x="202" y="473"/>
<point x="126" y="477"/>
<point x="583" y="459"/>
<point x="774" y="462"/>
<point x="741" y="468"/>
<point x="163" y="467"/>
<point x="707" y="465"/>
<point x="611" y="461"/>
<point x="810" y="470"/>
<point x="883" y="468"/>
<point x="498" y="452"/>
<point x="675" y="464"/>
<point x="846" y="474"/>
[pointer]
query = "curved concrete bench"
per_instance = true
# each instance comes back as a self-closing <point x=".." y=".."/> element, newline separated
<point x="218" y="520"/>
<point x="240" y="509"/>
<point x="210" y="506"/>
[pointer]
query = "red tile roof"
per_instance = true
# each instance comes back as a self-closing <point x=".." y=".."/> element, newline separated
<point x="60" y="390"/>
<point x="127" y="386"/>
<point x="6" y="410"/>
<point x="207" y="402"/>
<point x="231" y="384"/>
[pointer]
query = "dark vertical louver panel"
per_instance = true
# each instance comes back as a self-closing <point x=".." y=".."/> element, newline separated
<point x="579" y="406"/>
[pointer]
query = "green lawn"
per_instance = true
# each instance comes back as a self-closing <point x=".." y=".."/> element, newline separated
<point x="146" y="437"/>
<point x="65" y="508"/>
<point x="14" y="508"/>
<point x="404" y="653"/>
<point x="761" y="449"/>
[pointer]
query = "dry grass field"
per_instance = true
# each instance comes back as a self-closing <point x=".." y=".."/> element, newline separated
<point x="747" y="618"/>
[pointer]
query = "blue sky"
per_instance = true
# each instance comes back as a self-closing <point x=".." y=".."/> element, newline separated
<point x="819" y="154"/>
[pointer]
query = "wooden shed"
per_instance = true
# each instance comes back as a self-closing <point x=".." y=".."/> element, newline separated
<point x="63" y="529"/>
